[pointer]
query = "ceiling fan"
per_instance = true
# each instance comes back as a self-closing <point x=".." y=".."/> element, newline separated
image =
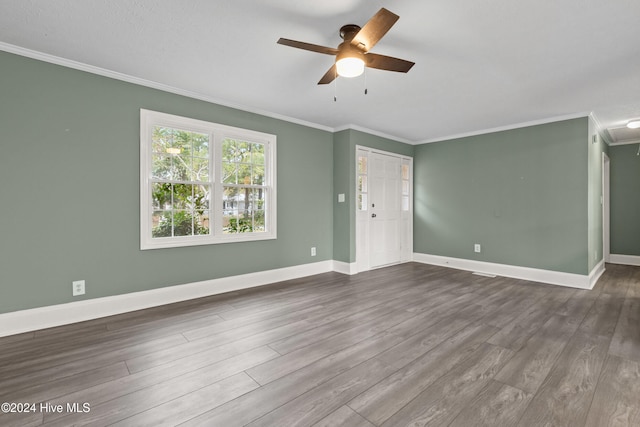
<point x="353" y="55"/>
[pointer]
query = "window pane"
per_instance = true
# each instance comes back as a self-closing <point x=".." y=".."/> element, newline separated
<point x="200" y="145"/>
<point x="230" y="198"/>
<point x="362" y="183"/>
<point x="229" y="150"/>
<point x="161" y="139"/>
<point x="182" y="196"/>
<point x="362" y="202"/>
<point x="244" y="173"/>
<point x="200" y="171"/>
<point x="182" y="142"/>
<point x="161" y="168"/>
<point x="182" y="223"/>
<point x="259" y="222"/>
<point x="229" y="173"/>
<point x="230" y="221"/>
<point x="201" y="196"/>
<point x="161" y="195"/>
<point x="180" y="168"/>
<point x="405" y="187"/>
<point x="202" y="223"/>
<point x="243" y="153"/>
<point x="257" y="175"/>
<point x="405" y="171"/>
<point x="258" y="198"/>
<point x="244" y="196"/>
<point x="362" y="165"/>
<point x="245" y="223"/>
<point x="257" y="154"/>
<point x="166" y="167"/>
<point x="161" y="224"/>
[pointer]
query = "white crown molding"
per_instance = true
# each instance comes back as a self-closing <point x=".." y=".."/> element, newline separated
<point x="62" y="314"/>
<point x="52" y="59"/>
<point x="600" y="129"/>
<point x="628" y="142"/>
<point x="598" y="123"/>
<point x="508" y="127"/>
<point x="375" y="133"/>
<point x="526" y="273"/>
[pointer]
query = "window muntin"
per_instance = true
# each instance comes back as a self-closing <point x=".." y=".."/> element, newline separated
<point x="204" y="183"/>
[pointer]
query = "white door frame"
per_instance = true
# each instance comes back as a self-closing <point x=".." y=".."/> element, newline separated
<point x="363" y="219"/>
<point x="606" y="219"/>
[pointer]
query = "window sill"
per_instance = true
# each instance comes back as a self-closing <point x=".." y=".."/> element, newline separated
<point x="173" y="242"/>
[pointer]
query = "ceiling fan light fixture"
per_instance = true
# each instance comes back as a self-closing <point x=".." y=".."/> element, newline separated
<point x="350" y="67"/>
<point x="634" y="124"/>
<point x="349" y="61"/>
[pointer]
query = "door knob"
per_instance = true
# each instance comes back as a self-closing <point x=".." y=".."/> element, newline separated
<point x="373" y="215"/>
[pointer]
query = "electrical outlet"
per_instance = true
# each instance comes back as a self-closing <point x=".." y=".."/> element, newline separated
<point x="313" y="251"/>
<point x="78" y="287"/>
<point x="476" y="247"/>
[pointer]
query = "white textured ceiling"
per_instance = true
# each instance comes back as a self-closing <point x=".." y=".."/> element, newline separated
<point x="480" y="64"/>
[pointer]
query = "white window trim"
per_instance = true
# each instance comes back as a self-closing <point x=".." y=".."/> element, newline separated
<point x="217" y="133"/>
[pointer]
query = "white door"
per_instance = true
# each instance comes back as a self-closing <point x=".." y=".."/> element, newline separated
<point x="384" y="208"/>
<point x="385" y="180"/>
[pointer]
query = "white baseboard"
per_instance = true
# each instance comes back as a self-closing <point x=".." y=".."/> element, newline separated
<point x="526" y="273"/>
<point x="624" y="259"/>
<point x="345" y="267"/>
<point x="595" y="274"/>
<point x="62" y="314"/>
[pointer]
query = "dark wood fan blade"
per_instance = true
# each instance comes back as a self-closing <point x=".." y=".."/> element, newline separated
<point x="382" y="62"/>
<point x="329" y="76"/>
<point x="309" y="46"/>
<point x="375" y="29"/>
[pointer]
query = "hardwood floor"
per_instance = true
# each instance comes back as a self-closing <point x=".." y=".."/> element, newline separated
<point x="405" y="345"/>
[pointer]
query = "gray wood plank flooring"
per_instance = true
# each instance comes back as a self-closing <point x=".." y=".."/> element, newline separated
<point x="410" y="344"/>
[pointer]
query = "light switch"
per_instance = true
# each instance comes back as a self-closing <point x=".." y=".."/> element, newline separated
<point x="341" y="198"/>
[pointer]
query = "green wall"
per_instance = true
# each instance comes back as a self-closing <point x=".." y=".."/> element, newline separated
<point x="522" y="194"/>
<point x="344" y="156"/>
<point x="342" y="184"/>
<point x="625" y="200"/>
<point x="69" y="168"/>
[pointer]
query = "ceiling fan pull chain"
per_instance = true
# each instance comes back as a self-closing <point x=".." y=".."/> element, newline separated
<point x="335" y="87"/>
<point x="365" y="81"/>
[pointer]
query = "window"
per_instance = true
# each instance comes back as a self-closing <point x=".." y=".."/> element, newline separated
<point x="406" y="185"/>
<point x="362" y="189"/>
<point x="204" y="183"/>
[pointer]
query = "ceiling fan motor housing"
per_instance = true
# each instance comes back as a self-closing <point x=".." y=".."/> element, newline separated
<point x="347" y="50"/>
<point x="349" y="31"/>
